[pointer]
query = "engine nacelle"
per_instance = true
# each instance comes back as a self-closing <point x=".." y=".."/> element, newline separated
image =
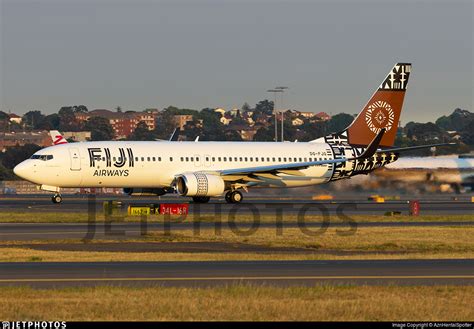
<point x="200" y="184"/>
<point x="144" y="191"/>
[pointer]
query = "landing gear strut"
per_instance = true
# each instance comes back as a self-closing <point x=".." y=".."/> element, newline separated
<point x="233" y="197"/>
<point x="201" y="199"/>
<point x="57" y="198"/>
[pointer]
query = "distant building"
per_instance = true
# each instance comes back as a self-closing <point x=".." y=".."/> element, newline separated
<point x="323" y="116"/>
<point x="40" y="138"/>
<point x="297" y="122"/>
<point x="247" y="134"/>
<point x="180" y="120"/>
<point x="15" y="118"/>
<point x="307" y="115"/>
<point x="123" y="123"/>
<point x="77" y="136"/>
<point x="219" y="110"/>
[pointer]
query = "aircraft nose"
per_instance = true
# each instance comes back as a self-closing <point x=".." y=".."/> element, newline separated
<point x="23" y="170"/>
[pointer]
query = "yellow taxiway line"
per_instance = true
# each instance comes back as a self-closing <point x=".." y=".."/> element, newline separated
<point x="345" y="277"/>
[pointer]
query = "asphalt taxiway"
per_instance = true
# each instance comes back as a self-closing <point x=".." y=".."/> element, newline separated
<point x="358" y="272"/>
<point x="253" y="205"/>
<point x="59" y="231"/>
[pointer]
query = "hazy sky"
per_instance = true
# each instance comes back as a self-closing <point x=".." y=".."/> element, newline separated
<point x="196" y="54"/>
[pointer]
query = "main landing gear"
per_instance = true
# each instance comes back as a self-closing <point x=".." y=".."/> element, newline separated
<point x="57" y="198"/>
<point x="201" y="199"/>
<point x="233" y="197"/>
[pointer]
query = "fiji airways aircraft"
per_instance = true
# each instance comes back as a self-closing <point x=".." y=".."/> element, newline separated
<point x="208" y="169"/>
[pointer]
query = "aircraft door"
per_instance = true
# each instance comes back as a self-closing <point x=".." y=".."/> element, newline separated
<point x="75" y="158"/>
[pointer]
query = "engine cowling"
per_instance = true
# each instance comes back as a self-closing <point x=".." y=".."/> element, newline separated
<point x="199" y="184"/>
<point x="144" y="191"/>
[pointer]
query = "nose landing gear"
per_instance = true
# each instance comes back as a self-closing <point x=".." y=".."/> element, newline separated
<point x="57" y="198"/>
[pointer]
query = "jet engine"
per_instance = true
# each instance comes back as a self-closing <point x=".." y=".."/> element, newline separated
<point x="199" y="184"/>
<point x="144" y="191"/>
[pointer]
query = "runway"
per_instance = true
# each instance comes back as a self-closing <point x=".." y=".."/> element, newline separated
<point x="59" y="231"/>
<point x="253" y="205"/>
<point x="282" y="273"/>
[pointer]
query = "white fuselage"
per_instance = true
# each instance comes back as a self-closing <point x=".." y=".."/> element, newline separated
<point x="156" y="164"/>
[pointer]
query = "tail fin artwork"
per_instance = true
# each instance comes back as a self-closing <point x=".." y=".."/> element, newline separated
<point x="57" y="137"/>
<point x="382" y="111"/>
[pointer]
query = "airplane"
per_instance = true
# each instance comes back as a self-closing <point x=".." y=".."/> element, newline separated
<point x="211" y="169"/>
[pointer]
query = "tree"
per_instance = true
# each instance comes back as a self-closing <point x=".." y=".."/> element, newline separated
<point x="67" y="119"/>
<point x="142" y="133"/>
<point x="265" y="134"/>
<point x="265" y="107"/>
<point x="100" y="129"/>
<point x="339" y="122"/>
<point x="32" y="119"/>
<point x="246" y="107"/>
<point x="15" y="155"/>
<point x="50" y="122"/>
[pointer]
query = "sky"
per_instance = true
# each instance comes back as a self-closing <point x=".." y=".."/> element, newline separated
<point x="195" y="54"/>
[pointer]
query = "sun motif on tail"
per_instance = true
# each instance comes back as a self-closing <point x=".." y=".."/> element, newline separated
<point x="379" y="115"/>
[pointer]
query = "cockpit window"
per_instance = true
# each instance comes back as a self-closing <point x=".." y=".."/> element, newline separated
<point x="44" y="157"/>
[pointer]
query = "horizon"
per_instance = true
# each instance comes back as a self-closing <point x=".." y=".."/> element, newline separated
<point x="222" y="54"/>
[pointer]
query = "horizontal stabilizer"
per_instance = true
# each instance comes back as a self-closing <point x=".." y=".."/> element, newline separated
<point x="412" y="148"/>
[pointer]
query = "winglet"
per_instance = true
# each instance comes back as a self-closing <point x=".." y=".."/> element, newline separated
<point x="174" y="136"/>
<point x="57" y="137"/>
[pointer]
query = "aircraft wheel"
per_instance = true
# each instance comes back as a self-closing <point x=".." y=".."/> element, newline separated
<point x="236" y="197"/>
<point x="201" y="199"/>
<point x="227" y="197"/>
<point x="57" y="198"/>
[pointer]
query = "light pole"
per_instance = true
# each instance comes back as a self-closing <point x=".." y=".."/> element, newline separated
<point x="274" y="91"/>
<point x="282" y="88"/>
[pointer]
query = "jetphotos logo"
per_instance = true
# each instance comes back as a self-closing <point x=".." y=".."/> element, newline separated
<point x="379" y="115"/>
<point x="33" y="325"/>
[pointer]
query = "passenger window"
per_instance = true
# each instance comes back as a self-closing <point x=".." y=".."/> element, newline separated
<point x="187" y="159"/>
<point x="273" y="159"/>
<point x="136" y="159"/>
<point x="301" y="160"/>
<point x="143" y="158"/>
<point x="240" y="159"/>
<point x="171" y="159"/>
<point x="305" y="160"/>
<point x="197" y="159"/>
<point x="219" y="159"/>
<point x="154" y="159"/>
<point x="235" y="159"/>
<point x="284" y="159"/>
<point x="251" y="159"/>
<point x="192" y="159"/>
<point x="230" y="159"/>
<point x="256" y="159"/>
<point x="246" y="159"/>
<point x="207" y="158"/>
<point x="148" y="159"/>
<point x="213" y="159"/>
<point x="263" y="159"/>
<point x="182" y="159"/>
<point x="159" y="158"/>
<point x="279" y="159"/>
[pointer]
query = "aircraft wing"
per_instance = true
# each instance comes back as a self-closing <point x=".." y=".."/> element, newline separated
<point x="252" y="173"/>
<point x="287" y="168"/>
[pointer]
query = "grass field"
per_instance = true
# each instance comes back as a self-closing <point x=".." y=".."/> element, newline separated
<point x="56" y="217"/>
<point x="365" y="243"/>
<point x="240" y="302"/>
